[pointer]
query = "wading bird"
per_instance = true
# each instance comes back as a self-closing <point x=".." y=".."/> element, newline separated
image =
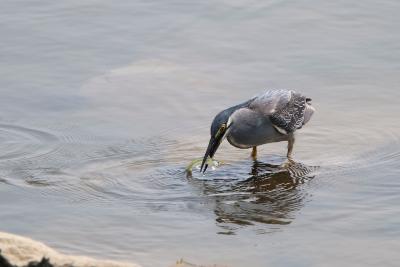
<point x="272" y="116"/>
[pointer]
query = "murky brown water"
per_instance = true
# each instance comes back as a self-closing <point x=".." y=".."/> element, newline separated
<point x="103" y="104"/>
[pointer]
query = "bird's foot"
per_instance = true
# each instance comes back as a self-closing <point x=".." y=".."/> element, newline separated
<point x="288" y="162"/>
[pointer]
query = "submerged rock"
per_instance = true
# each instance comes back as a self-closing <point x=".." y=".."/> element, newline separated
<point x="43" y="263"/>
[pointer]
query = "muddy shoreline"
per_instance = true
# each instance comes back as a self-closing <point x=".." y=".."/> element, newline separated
<point x="18" y="251"/>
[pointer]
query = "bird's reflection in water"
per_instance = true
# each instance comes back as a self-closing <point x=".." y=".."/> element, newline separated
<point x="270" y="195"/>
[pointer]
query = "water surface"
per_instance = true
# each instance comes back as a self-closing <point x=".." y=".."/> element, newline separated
<point x="104" y="104"/>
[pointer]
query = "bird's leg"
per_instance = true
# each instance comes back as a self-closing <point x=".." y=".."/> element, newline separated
<point x="290" y="146"/>
<point x="254" y="153"/>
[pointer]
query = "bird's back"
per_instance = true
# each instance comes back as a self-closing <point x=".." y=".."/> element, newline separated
<point x="287" y="109"/>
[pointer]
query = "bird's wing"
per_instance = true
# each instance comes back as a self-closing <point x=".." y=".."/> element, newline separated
<point x="285" y="109"/>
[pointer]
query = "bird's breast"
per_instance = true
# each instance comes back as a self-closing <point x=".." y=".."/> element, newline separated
<point x="253" y="129"/>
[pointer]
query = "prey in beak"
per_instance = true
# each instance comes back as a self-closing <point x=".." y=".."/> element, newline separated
<point x="213" y="145"/>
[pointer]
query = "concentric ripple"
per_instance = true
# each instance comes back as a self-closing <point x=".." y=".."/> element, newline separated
<point x="149" y="175"/>
<point x="60" y="165"/>
<point x="341" y="150"/>
<point x="17" y="142"/>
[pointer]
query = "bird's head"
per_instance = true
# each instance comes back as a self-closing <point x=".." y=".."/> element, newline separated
<point x="219" y="129"/>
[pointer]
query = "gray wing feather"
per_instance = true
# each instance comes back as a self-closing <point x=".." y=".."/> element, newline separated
<point x="269" y="101"/>
<point x="285" y="108"/>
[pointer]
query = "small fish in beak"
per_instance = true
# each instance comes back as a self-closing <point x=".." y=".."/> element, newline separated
<point x="213" y="145"/>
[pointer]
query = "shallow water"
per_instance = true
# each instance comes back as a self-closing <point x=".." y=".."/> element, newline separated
<point x="104" y="104"/>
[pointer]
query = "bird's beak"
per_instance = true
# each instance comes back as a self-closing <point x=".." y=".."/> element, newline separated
<point x="211" y="149"/>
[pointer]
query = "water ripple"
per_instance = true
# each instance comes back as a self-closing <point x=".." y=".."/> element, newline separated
<point x="148" y="174"/>
<point x="23" y="143"/>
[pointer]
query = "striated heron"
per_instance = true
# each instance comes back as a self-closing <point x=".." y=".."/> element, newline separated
<point x="272" y="116"/>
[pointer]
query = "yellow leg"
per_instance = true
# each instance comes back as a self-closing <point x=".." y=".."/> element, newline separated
<point x="254" y="153"/>
<point x="290" y="146"/>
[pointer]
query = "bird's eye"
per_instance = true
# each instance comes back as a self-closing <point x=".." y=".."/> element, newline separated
<point x="221" y="130"/>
